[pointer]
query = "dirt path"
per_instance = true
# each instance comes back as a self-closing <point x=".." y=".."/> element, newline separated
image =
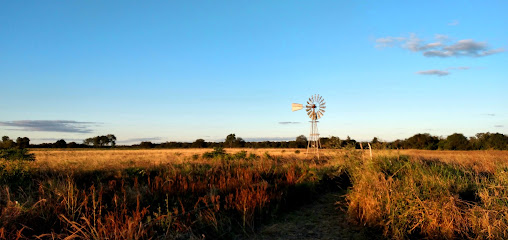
<point x="319" y="220"/>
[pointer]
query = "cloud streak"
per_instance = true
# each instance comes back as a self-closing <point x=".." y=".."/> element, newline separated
<point x="440" y="47"/>
<point x="287" y="123"/>
<point x="441" y="72"/>
<point x="453" y="23"/>
<point x="263" y="139"/>
<point x="49" y="126"/>
<point x="434" y="72"/>
<point x="138" y="140"/>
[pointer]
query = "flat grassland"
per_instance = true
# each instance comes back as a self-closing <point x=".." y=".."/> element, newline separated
<point x="214" y="194"/>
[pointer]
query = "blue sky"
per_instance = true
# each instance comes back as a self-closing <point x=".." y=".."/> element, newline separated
<point x="182" y="70"/>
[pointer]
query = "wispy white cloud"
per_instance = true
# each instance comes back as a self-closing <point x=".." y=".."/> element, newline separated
<point x="138" y="140"/>
<point x="441" y="72"/>
<point x="459" y="68"/>
<point x="286" y="123"/>
<point x="434" y="72"/>
<point x="439" y="47"/>
<point x="50" y="126"/>
<point x="465" y="47"/>
<point x="498" y="126"/>
<point x="262" y="139"/>
<point x="388" y="41"/>
<point x="453" y="23"/>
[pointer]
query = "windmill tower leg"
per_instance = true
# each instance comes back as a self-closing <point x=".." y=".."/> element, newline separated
<point x="314" y="143"/>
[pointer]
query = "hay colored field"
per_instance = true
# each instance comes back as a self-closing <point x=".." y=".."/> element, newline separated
<point x="191" y="193"/>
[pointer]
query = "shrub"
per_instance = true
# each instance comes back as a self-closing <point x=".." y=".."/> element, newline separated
<point x="217" y="152"/>
<point x="16" y="154"/>
<point x="240" y="155"/>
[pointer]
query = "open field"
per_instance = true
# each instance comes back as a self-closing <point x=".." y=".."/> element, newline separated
<point x="202" y="193"/>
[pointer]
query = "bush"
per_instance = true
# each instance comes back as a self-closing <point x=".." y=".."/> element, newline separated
<point x="217" y="152"/>
<point x="16" y="154"/>
<point x="240" y="155"/>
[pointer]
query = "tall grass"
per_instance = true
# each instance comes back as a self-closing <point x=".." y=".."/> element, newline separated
<point x="224" y="196"/>
<point x="191" y="194"/>
<point x="437" y="196"/>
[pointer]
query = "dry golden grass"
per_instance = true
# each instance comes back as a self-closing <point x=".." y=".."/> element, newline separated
<point x="91" y="159"/>
<point x="404" y="193"/>
<point x="432" y="194"/>
<point x="135" y="194"/>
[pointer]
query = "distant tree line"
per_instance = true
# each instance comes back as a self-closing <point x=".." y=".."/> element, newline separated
<point x="456" y="141"/>
<point x="97" y="142"/>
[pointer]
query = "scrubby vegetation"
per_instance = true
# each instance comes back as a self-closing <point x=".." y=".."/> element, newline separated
<point x="224" y="194"/>
<point x="427" y="197"/>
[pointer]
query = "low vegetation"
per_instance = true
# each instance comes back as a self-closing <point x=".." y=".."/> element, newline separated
<point x="432" y="196"/>
<point x="219" y="195"/>
<point x="224" y="194"/>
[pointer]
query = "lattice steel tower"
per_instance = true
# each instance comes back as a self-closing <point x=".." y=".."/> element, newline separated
<point x="315" y="109"/>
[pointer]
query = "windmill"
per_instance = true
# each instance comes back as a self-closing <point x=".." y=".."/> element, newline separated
<point x="315" y="109"/>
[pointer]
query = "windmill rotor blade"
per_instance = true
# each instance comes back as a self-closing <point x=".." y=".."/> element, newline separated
<point x="322" y="110"/>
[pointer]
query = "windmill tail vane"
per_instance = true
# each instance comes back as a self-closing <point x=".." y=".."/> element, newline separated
<point x="315" y="109"/>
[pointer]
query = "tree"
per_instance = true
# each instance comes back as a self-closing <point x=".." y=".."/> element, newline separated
<point x="484" y="141"/>
<point x="230" y="140"/>
<point x="146" y="145"/>
<point x="22" y="142"/>
<point x="350" y="143"/>
<point x="456" y="141"/>
<point x="88" y="141"/>
<point x="333" y="143"/>
<point x="422" y="141"/>
<point x="111" y="139"/>
<point x="101" y="141"/>
<point x="199" y="143"/>
<point x="7" y="142"/>
<point x="239" y="142"/>
<point x="301" y="141"/>
<point x="60" y="144"/>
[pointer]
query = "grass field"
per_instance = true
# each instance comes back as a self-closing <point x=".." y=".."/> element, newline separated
<point x="201" y="193"/>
